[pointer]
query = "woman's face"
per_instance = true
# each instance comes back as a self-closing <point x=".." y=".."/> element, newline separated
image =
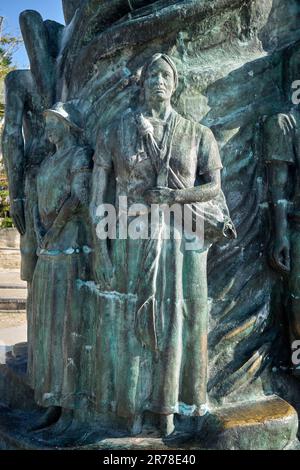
<point x="159" y="84"/>
<point x="55" y="129"/>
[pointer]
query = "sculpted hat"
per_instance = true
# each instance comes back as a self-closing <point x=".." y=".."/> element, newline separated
<point x="68" y="113"/>
<point x="152" y="60"/>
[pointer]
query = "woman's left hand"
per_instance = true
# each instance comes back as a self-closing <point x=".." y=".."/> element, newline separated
<point x="49" y="237"/>
<point x="160" y="196"/>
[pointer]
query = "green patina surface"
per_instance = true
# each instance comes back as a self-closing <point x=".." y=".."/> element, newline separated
<point x="135" y="326"/>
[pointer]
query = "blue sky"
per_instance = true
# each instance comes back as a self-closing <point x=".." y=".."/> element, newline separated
<point x="10" y="9"/>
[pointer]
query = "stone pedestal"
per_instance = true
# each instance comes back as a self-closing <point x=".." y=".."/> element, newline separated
<point x="270" y="423"/>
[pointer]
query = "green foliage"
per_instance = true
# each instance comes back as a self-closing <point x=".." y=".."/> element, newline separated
<point x="6" y="223"/>
<point x="5" y="219"/>
<point x="4" y="203"/>
<point x="8" y="45"/>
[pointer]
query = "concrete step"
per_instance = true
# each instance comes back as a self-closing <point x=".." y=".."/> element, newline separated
<point x="12" y="304"/>
<point x="9" y="337"/>
<point x="10" y="258"/>
<point x="3" y="312"/>
<point x="9" y="278"/>
<point x="12" y="318"/>
<point x="12" y="335"/>
<point x="13" y="291"/>
<point x="4" y="286"/>
<point x="9" y="238"/>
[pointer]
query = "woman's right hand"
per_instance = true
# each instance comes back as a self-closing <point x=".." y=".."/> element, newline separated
<point x="17" y="213"/>
<point x="280" y="257"/>
<point x="103" y="267"/>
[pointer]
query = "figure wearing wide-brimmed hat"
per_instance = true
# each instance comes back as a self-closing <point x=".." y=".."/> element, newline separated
<point x="61" y="333"/>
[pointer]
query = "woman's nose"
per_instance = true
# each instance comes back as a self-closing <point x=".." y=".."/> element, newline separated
<point x="158" y="78"/>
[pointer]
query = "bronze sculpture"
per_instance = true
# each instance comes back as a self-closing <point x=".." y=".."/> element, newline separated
<point x="158" y="157"/>
<point x="62" y="230"/>
<point x="150" y="329"/>
<point x="281" y="157"/>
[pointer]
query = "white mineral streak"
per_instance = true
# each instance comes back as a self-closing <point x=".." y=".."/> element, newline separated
<point x="282" y="202"/>
<point x="296" y="297"/>
<point x="67" y="35"/>
<point x="186" y="410"/>
<point x="75" y="335"/>
<point x="48" y="396"/>
<point x="190" y="410"/>
<point x="70" y="362"/>
<point x="112" y="295"/>
<point x="69" y="251"/>
<point x="264" y="313"/>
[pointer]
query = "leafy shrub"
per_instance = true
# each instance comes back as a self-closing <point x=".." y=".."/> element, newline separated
<point x="4" y="203"/>
<point x="6" y="223"/>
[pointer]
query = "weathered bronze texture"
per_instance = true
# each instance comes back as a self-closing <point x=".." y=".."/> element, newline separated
<point x="137" y="104"/>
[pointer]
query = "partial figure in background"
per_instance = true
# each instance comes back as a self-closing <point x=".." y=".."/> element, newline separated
<point x="282" y="157"/>
<point x="281" y="154"/>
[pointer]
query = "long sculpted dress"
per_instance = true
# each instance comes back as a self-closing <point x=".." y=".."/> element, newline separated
<point x="62" y="317"/>
<point x="152" y="346"/>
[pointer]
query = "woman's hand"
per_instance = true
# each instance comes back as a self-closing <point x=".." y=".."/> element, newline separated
<point x="40" y="237"/>
<point x="161" y="195"/>
<point x="103" y="267"/>
<point x="280" y="256"/>
<point x="67" y="210"/>
<point x="18" y="215"/>
<point x="49" y="237"/>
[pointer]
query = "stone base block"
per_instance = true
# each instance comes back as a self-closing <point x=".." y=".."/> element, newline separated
<point x="13" y="305"/>
<point x="226" y="431"/>
<point x="270" y="423"/>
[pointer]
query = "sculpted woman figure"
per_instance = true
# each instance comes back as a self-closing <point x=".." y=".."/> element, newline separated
<point x="153" y="338"/>
<point x="61" y="364"/>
